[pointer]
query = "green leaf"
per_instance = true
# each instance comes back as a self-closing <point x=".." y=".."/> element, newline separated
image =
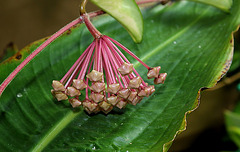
<point x="127" y="13"/>
<point x="191" y="42"/>
<point x="9" y="51"/>
<point x="224" y="5"/>
<point x="11" y="62"/>
<point x="232" y="120"/>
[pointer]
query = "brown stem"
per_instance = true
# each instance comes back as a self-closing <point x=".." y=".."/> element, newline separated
<point x="82" y="7"/>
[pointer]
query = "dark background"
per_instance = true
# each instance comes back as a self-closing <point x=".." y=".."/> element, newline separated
<point x="25" y="21"/>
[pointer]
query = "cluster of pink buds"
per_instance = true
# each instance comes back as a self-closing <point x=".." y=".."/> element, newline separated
<point x="108" y="78"/>
<point x="106" y="75"/>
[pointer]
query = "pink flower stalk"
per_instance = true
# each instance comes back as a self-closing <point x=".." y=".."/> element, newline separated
<point x="106" y="76"/>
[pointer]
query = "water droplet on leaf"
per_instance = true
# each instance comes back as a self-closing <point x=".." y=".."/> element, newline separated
<point x="19" y="95"/>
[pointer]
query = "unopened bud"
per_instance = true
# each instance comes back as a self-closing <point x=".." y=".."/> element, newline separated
<point x="96" y="97"/>
<point x="97" y="109"/>
<point x="161" y="78"/>
<point x="135" y="83"/>
<point x="153" y="72"/>
<point x="125" y="68"/>
<point x="136" y="100"/>
<point x="113" y="88"/>
<point x="79" y="84"/>
<point x="145" y="92"/>
<point x="98" y="87"/>
<point x="112" y="100"/>
<point x="121" y="104"/>
<point x="58" y="86"/>
<point x="59" y="95"/>
<point x="152" y="88"/>
<point x="75" y="102"/>
<point x="105" y="106"/>
<point x="95" y="76"/>
<point x="73" y="92"/>
<point x="123" y="93"/>
<point x="132" y="96"/>
<point x="89" y="106"/>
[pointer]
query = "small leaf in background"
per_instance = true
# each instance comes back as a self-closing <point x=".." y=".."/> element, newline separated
<point x="127" y="13"/>
<point x="224" y="5"/>
<point x="232" y="121"/>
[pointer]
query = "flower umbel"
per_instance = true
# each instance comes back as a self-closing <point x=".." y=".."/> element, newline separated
<point x="106" y="76"/>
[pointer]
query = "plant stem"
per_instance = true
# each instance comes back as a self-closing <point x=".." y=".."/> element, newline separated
<point x="41" y="47"/>
<point x="82" y="7"/>
<point x="95" y="33"/>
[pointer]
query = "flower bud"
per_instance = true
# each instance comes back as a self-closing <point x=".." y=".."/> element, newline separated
<point x="112" y="100"/>
<point x="75" y="102"/>
<point x="125" y="68"/>
<point x="79" y="84"/>
<point x="135" y="83"/>
<point x="153" y="72"/>
<point x="113" y="88"/>
<point x="58" y="86"/>
<point x="95" y="76"/>
<point x="98" y="87"/>
<point x="152" y="88"/>
<point x="89" y="106"/>
<point x="123" y="93"/>
<point x="132" y="96"/>
<point x="145" y="92"/>
<point x="73" y="92"/>
<point x="105" y="106"/>
<point x="96" y="97"/>
<point x="121" y="104"/>
<point x="136" y="100"/>
<point x="59" y="95"/>
<point x="161" y="78"/>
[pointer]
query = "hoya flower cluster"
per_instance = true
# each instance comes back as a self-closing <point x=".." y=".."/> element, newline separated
<point x="105" y="77"/>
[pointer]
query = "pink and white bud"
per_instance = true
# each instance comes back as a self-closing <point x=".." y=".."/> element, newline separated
<point x="135" y="83"/>
<point x="152" y="89"/>
<point x="58" y="86"/>
<point x="153" y="72"/>
<point x="73" y="92"/>
<point x="108" y="110"/>
<point x="125" y="68"/>
<point x="79" y="84"/>
<point x="98" y="87"/>
<point x="98" y="109"/>
<point x="59" y="95"/>
<point x="96" y="97"/>
<point x="75" y="102"/>
<point x="113" y="88"/>
<point x="136" y="100"/>
<point x="95" y="76"/>
<point x="113" y="100"/>
<point x="124" y="93"/>
<point x="89" y="106"/>
<point x="105" y="106"/>
<point x="121" y="104"/>
<point x="147" y="91"/>
<point x="161" y="78"/>
<point x="132" y="96"/>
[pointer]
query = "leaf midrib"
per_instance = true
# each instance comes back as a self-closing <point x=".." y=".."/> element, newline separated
<point x="55" y="130"/>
